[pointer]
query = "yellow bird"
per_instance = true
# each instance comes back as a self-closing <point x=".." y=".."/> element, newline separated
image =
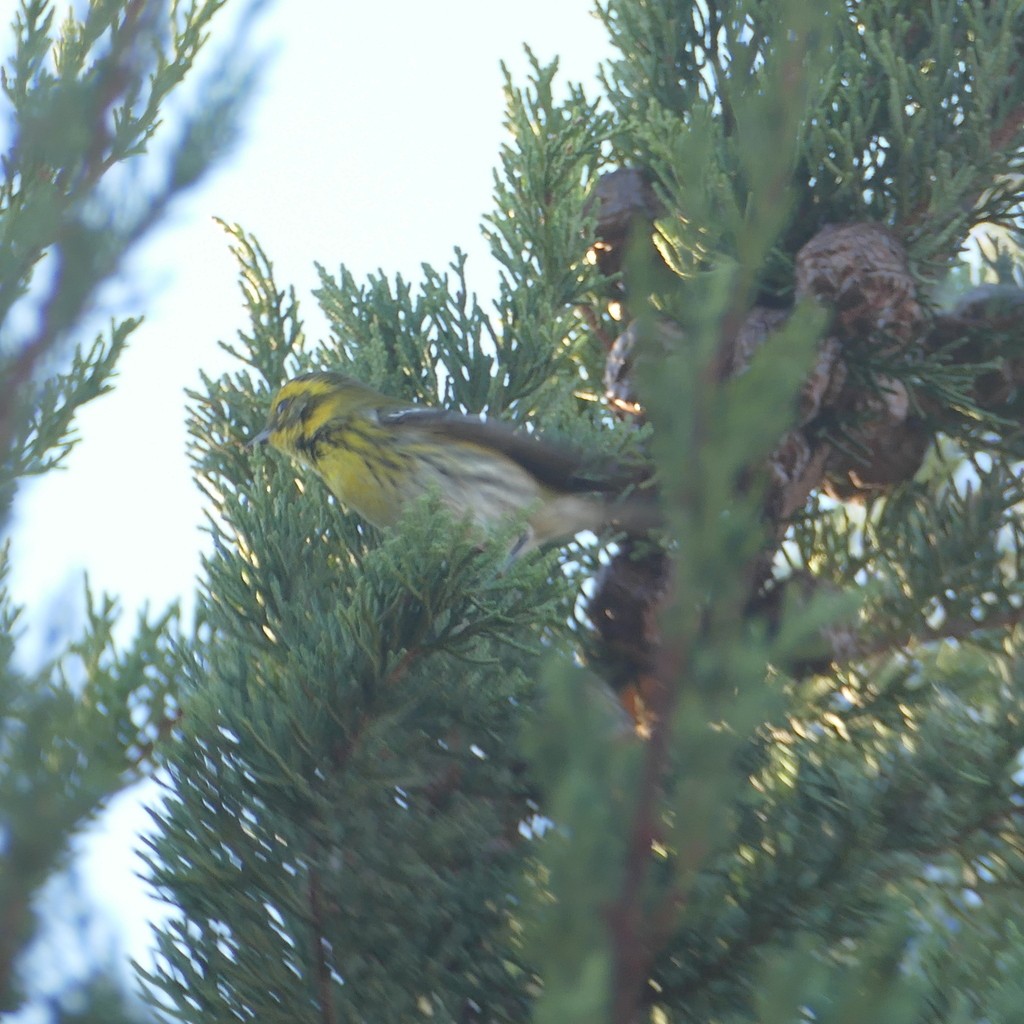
<point x="377" y="454"/>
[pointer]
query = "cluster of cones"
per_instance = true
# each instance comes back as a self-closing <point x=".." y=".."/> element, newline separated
<point x="853" y="436"/>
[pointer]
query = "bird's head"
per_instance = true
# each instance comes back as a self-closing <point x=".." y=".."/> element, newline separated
<point x="304" y="405"/>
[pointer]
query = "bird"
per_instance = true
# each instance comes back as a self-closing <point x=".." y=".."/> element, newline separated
<point x="377" y="454"/>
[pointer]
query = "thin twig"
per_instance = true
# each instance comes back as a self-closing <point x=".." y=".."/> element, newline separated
<point x="954" y="629"/>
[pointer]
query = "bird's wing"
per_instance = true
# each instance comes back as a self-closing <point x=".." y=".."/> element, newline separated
<point x="555" y="465"/>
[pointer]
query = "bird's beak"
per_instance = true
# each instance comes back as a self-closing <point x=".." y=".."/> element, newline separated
<point x="260" y="439"/>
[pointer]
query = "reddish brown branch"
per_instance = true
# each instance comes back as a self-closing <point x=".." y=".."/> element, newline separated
<point x="1008" y="129"/>
<point x="13" y="928"/>
<point x="634" y="943"/>
<point x="402" y="666"/>
<point x="325" y="992"/>
<point x="97" y="161"/>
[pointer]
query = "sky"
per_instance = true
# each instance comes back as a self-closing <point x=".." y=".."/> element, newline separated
<point x="370" y="143"/>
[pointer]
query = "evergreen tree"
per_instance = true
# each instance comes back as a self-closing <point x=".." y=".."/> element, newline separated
<point x="398" y="793"/>
<point x="84" y="100"/>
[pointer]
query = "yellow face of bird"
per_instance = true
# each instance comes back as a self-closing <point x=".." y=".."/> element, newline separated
<point x="304" y="405"/>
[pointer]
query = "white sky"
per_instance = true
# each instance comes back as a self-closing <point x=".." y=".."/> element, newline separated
<point x="371" y="144"/>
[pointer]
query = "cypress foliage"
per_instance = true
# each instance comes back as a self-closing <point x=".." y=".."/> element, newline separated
<point x="84" y="99"/>
<point x="397" y="792"/>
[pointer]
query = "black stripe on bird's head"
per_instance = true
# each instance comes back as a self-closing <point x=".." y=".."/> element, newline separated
<point x="307" y="405"/>
<point x="296" y="412"/>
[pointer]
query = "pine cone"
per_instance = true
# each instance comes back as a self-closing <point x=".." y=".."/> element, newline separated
<point x="620" y="364"/>
<point x="625" y="201"/>
<point x="860" y="272"/>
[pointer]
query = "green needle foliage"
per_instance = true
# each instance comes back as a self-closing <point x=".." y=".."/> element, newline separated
<point x="402" y="789"/>
<point x="84" y="99"/>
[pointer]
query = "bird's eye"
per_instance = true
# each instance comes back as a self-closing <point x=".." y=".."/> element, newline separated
<point x="282" y="406"/>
